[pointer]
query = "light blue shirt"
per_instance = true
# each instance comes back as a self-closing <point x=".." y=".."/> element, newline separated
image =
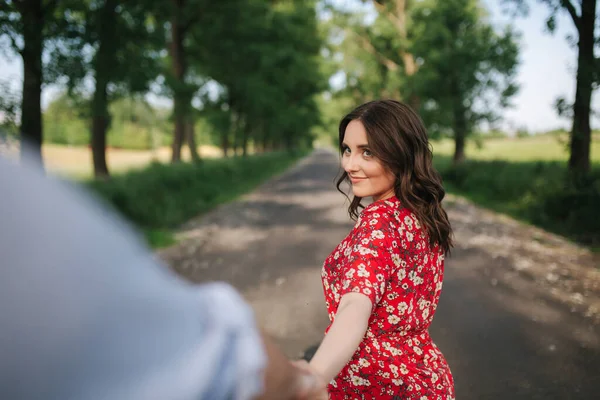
<point x="88" y="313"/>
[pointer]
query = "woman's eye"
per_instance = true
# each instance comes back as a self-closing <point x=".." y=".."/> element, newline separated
<point x="367" y="153"/>
<point x="346" y="150"/>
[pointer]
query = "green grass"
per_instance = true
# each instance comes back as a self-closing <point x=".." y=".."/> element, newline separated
<point x="534" y="148"/>
<point x="537" y="192"/>
<point x="161" y="197"/>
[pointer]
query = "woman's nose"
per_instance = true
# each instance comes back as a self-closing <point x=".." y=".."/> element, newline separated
<point x="350" y="165"/>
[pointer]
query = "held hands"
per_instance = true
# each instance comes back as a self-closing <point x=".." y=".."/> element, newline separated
<point x="312" y="385"/>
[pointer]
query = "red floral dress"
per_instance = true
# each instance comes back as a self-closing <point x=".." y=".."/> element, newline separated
<point x="387" y="257"/>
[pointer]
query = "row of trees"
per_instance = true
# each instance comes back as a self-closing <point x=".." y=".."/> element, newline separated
<point x="254" y="68"/>
<point x="250" y="67"/>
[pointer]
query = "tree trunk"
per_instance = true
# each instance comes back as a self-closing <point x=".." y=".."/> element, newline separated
<point x="225" y="144"/>
<point x="460" y="133"/>
<point x="238" y="126"/>
<point x="180" y="100"/>
<point x="579" y="160"/>
<point x="102" y="67"/>
<point x="245" y="136"/>
<point x="265" y="143"/>
<point x="191" y="141"/>
<point x="32" y="15"/>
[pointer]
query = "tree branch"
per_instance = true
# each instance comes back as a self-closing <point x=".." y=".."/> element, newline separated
<point x="382" y="9"/>
<point x="398" y="19"/>
<point x="368" y="46"/>
<point x="571" y="9"/>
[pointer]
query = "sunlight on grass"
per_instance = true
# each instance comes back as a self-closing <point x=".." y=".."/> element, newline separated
<point x="76" y="162"/>
<point x="535" y="148"/>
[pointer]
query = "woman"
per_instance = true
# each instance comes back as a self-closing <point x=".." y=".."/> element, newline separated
<point x="382" y="283"/>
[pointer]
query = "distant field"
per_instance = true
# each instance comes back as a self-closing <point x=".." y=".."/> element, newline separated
<point x="76" y="162"/>
<point x="535" y="148"/>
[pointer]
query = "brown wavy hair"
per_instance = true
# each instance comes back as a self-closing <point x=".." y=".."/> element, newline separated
<point x="398" y="139"/>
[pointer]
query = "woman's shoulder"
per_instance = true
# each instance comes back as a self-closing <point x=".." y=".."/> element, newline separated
<point x="382" y="212"/>
<point x="391" y="213"/>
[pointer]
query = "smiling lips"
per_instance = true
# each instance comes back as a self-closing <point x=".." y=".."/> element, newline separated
<point x="356" y="179"/>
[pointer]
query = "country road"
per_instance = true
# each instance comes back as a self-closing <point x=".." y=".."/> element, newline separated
<point x="519" y="316"/>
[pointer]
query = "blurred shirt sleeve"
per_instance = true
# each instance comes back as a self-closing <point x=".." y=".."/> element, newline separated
<point x="87" y="312"/>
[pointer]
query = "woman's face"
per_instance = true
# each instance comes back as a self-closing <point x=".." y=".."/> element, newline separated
<point x="368" y="176"/>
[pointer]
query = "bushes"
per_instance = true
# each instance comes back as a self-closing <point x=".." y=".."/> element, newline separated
<point x="164" y="196"/>
<point x="536" y="192"/>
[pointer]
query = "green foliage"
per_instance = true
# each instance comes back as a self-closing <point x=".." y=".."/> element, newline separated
<point x="9" y="107"/>
<point x="65" y="123"/>
<point x="532" y="191"/>
<point x="265" y="57"/>
<point x="468" y="69"/>
<point x="163" y="196"/>
<point x="134" y="123"/>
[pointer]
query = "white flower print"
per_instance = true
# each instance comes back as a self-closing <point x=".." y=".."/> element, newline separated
<point x="363" y="273"/>
<point x="363" y="362"/>
<point x="377" y="234"/>
<point x="393" y="319"/>
<point x="358" y="381"/>
<point x="402" y="307"/>
<point x="363" y="250"/>
<point x="401" y="274"/>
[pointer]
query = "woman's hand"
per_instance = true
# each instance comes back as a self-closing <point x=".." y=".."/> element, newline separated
<point x="318" y="390"/>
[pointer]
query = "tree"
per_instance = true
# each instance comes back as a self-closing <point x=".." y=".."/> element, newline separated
<point x="127" y="40"/>
<point x="33" y="27"/>
<point x="186" y="18"/>
<point x="267" y="66"/>
<point x="398" y="14"/>
<point x="584" y="15"/>
<point x="467" y="69"/>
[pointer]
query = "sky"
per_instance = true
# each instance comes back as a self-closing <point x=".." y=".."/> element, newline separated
<point x="546" y="72"/>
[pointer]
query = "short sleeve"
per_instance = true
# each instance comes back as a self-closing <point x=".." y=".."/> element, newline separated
<point x="368" y="265"/>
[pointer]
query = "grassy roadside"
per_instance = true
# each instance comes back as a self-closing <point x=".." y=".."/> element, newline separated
<point x="534" y="192"/>
<point x="159" y="198"/>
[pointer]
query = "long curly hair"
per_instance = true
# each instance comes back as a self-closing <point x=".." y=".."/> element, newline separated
<point x="398" y="139"/>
